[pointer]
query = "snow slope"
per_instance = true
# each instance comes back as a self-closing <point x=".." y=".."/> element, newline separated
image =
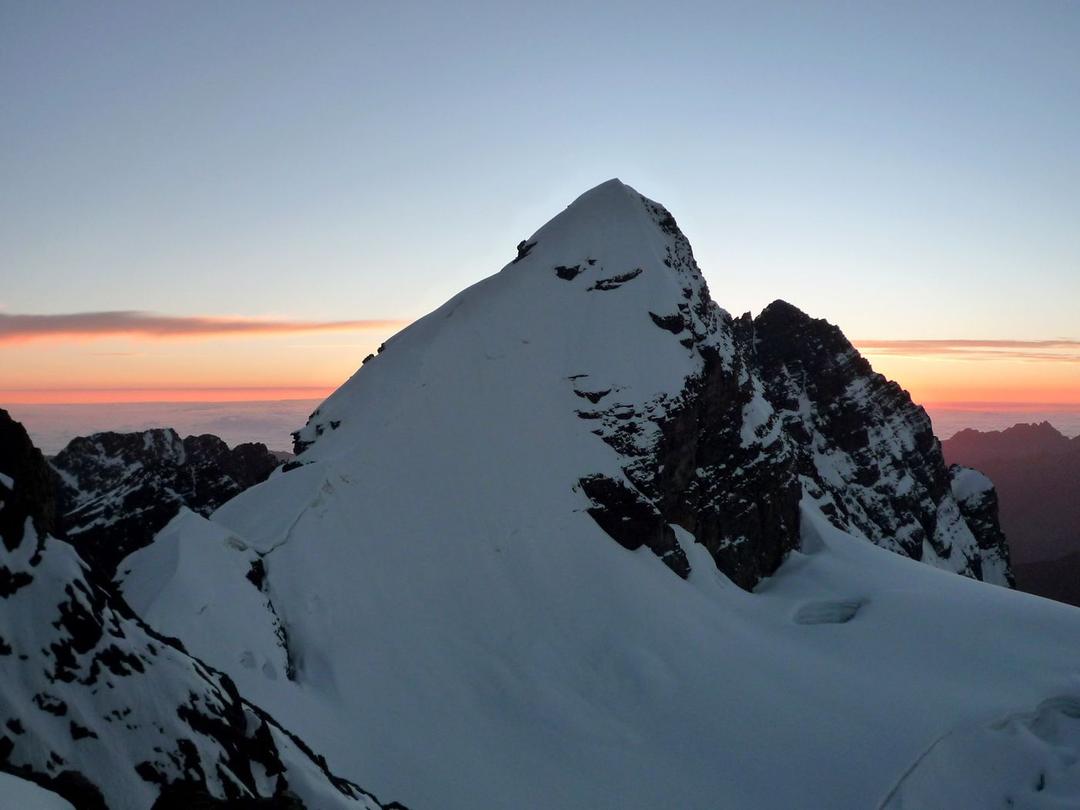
<point x="101" y="710"/>
<point x="19" y="794"/>
<point x="458" y="630"/>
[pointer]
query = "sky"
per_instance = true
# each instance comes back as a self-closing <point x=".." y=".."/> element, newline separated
<point x="207" y="201"/>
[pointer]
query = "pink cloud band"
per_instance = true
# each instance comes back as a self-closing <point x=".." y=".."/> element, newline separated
<point x="128" y="323"/>
<point x="1059" y="350"/>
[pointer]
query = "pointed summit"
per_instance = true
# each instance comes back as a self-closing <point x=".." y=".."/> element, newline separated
<point x="610" y="219"/>
<point x="602" y="338"/>
<point x="586" y="290"/>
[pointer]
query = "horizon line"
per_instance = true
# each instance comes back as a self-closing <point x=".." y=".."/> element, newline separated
<point x="295" y="393"/>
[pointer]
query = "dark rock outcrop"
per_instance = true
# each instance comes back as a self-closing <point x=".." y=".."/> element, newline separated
<point x="978" y="501"/>
<point x="862" y="442"/>
<point x="115" y="491"/>
<point x="28" y="491"/>
<point x="633" y="522"/>
<point x="740" y="501"/>
<point x="782" y="410"/>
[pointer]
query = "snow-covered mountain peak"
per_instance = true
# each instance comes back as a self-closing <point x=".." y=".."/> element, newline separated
<point x="579" y="535"/>
<point x="612" y="235"/>
<point x="598" y="360"/>
<point x="606" y="297"/>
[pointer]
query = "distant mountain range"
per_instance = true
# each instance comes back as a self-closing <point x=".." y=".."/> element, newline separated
<point x="115" y="491"/>
<point x="1036" y="471"/>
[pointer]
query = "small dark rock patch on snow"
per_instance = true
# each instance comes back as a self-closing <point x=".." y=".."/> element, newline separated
<point x="593" y="396"/>
<point x="256" y="575"/>
<point x="523" y="249"/>
<point x="614" y="282"/>
<point x="79" y="732"/>
<point x="672" y="323"/>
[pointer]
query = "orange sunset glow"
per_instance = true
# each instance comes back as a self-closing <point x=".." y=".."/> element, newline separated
<point x="934" y="378"/>
<point x="137" y="358"/>
<point x="275" y="363"/>
<point x="83" y="326"/>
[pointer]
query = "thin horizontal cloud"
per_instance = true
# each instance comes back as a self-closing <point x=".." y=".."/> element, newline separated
<point x="190" y="393"/>
<point x="131" y="323"/>
<point x="1061" y="350"/>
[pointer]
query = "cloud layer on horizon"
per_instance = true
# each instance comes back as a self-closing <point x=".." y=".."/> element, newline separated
<point x="1061" y="350"/>
<point x="133" y="323"/>
<point x="21" y="328"/>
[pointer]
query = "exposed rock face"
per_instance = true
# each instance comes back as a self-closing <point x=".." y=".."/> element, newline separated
<point x="867" y="453"/>
<point x="739" y="499"/>
<point x="97" y="707"/>
<point x="978" y="502"/>
<point x="780" y="407"/>
<point x="117" y="490"/>
<point x="33" y="495"/>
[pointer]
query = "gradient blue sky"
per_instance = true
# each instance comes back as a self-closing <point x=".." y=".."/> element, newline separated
<point x="907" y="170"/>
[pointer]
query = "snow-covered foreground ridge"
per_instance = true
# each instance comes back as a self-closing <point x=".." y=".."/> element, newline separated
<point x="506" y="570"/>
<point x="98" y="708"/>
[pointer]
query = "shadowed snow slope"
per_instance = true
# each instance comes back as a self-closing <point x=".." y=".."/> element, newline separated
<point x="24" y="795"/>
<point x="99" y="709"/>
<point x="504" y="572"/>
